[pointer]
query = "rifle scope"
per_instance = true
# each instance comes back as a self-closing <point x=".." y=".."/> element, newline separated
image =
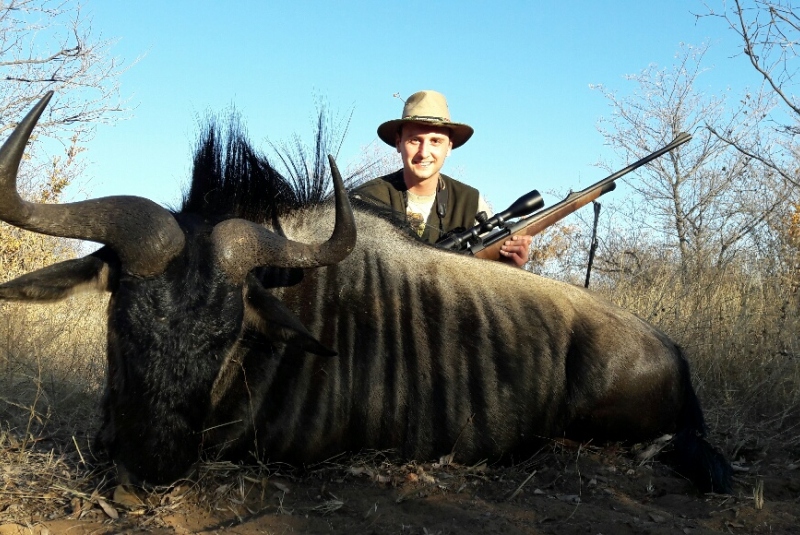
<point x="527" y="204"/>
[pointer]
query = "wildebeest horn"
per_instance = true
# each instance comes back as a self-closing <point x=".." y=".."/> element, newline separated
<point x="242" y="245"/>
<point x="144" y="235"/>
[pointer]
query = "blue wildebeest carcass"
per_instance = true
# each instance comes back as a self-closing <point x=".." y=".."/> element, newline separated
<point x="228" y="332"/>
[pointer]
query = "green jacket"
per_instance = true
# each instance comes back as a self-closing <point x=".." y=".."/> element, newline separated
<point x="458" y="201"/>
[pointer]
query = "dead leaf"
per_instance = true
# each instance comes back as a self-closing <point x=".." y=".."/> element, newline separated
<point x="108" y="509"/>
<point x="738" y="467"/>
<point x="77" y="507"/>
<point x="481" y="467"/>
<point x="651" y="451"/>
<point x="356" y="470"/>
<point x="446" y="460"/>
<point x="427" y="478"/>
<point x="281" y="487"/>
<point x="126" y="498"/>
<point x="378" y="478"/>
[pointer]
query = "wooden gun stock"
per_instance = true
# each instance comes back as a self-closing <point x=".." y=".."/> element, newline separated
<point x="533" y="225"/>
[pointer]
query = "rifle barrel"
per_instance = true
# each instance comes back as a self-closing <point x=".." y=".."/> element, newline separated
<point x="679" y="140"/>
<point x="539" y="221"/>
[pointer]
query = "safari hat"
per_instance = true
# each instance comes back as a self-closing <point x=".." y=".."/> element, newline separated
<point x="426" y="107"/>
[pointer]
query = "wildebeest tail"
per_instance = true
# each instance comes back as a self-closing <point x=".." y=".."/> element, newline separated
<point x="691" y="454"/>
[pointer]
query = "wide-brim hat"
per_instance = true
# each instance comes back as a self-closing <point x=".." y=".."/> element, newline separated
<point x="430" y="108"/>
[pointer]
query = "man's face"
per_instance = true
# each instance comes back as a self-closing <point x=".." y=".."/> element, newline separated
<point x="423" y="150"/>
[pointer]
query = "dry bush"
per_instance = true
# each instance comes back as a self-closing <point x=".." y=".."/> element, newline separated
<point x="52" y="361"/>
<point x="740" y="331"/>
<point x="551" y="252"/>
<point x="51" y="373"/>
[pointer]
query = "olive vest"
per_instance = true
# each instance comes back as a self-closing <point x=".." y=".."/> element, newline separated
<point x="455" y="206"/>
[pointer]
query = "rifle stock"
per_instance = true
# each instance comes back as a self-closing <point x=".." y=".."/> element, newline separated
<point x="489" y="246"/>
<point x="533" y="225"/>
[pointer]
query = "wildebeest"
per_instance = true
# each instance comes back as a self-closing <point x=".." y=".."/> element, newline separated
<point x="227" y="332"/>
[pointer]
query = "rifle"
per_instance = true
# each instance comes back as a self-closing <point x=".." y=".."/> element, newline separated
<point x="485" y="239"/>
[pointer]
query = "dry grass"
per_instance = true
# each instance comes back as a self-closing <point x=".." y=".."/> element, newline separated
<point x="741" y="333"/>
<point x="51" y="363"/>
<point x="51" y="373"/>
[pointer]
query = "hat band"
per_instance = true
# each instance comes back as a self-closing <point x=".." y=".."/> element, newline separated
<point x="426" y="118"/>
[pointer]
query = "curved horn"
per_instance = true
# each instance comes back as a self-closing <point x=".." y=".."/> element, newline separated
<point x="143" y="234"/>
<point x="242" y="245"/>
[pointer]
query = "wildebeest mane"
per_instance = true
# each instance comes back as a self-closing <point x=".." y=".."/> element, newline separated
<point x="232" y="179"/>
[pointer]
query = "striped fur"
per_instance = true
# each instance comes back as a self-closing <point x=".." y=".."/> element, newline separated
<point x="443" y="353"/>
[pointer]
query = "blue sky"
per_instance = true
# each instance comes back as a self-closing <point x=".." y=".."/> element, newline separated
<point x="517" y="71"/>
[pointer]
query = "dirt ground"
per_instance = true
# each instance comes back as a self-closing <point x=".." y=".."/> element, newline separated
<point x="565" y="489"/>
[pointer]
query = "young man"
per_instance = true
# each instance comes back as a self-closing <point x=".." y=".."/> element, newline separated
<point x="433" y="203"/>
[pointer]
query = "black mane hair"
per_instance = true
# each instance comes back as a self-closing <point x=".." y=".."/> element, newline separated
<point x="231" y="179"/>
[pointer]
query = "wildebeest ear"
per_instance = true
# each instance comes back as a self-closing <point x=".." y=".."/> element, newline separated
<point x="59" y="281"/>
<point x="279" y="322"/>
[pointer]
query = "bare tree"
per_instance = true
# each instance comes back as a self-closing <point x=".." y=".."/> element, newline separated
<point x="48" y="45"/>
<point x="770" y="33"/>
<point x="704" y="198"/>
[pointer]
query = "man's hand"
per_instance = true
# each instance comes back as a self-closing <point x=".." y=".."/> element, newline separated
<point x="516" y="250"/>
